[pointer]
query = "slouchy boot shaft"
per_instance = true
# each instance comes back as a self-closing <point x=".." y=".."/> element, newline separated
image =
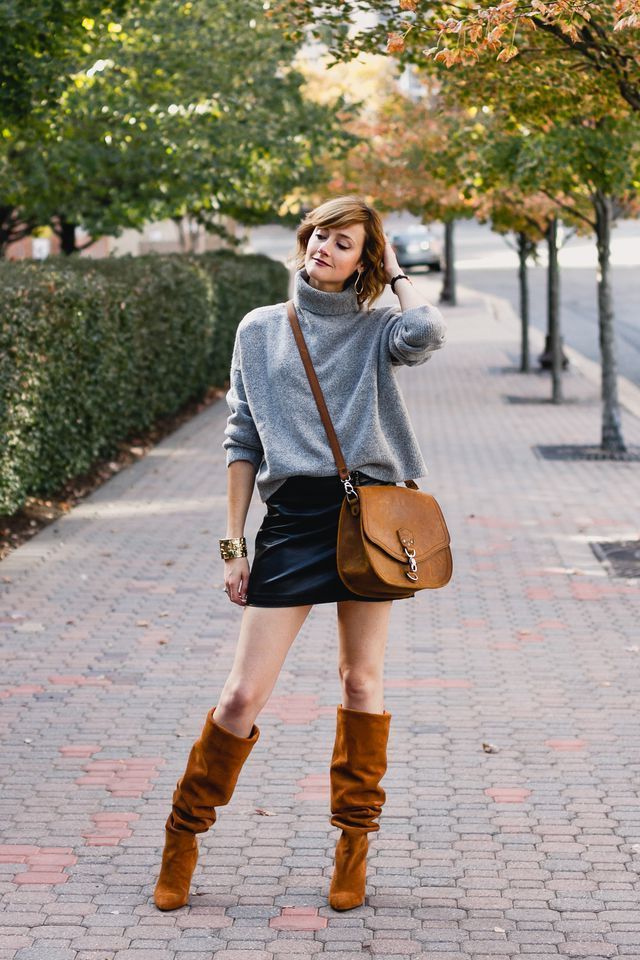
<point x="212" y="771"/>
<point x="358" y="763"/>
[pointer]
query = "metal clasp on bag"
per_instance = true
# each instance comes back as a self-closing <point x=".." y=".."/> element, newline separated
<point x="412" y="573"/>
<point x="351" y="495"/>
<point x="406" y="537"/>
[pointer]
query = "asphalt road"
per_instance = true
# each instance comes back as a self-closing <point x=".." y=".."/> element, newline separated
<point x="485" y="262"/>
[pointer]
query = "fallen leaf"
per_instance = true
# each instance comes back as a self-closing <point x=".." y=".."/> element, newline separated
<point x="142" y="623"/>
<point x="490" y="748"/>
<point x="265" y="813"/>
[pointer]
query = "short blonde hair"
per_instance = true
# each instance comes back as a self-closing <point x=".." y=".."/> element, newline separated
<point x="341" y="212"/>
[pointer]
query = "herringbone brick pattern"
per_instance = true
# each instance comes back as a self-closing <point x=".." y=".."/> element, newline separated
<point x="116" y="639"/>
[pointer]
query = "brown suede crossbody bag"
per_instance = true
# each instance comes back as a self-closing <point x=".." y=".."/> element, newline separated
<point x="392" y="540"/>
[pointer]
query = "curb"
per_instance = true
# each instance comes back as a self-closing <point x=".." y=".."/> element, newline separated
<point x="629" y="394"/>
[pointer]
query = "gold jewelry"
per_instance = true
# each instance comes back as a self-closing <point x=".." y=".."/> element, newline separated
<point x="231" y="547"/>
<point x="355" y="286"/>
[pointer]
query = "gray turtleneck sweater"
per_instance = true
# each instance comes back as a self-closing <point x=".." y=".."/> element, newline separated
<point x="274" y="421"/>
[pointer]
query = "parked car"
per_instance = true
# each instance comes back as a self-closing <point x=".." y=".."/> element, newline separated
<point x="415" y="246"/>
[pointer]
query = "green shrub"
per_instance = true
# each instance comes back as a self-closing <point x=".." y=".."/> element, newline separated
<point x="94" y="350"/>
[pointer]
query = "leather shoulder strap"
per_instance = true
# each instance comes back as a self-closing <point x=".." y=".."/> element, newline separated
<point x="317" y="391"/>
<point x="319" y="396"/>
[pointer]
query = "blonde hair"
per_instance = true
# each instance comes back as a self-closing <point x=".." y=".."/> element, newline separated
<point x="341" y="212"/>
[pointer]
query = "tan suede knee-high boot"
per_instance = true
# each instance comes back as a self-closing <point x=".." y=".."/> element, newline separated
<point x="358" y="764"/>
<point x="213" y="767"/>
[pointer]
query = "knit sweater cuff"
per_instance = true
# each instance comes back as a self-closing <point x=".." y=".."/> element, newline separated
<point x="244" y="453"/>
<point x="416" y="333"/>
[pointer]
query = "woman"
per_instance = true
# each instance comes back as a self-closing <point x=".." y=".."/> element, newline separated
<point x="275" y="437"/>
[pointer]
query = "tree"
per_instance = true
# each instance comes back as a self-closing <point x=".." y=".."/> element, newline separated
<point x="156" y="122"/>
<point x="598" y="161"/>
<point x="40" y="43"/>
<point x="570" y="88"/>
<point x="600" y="36"/>
<point x="509" y="210"/>
<point x="410" y="156"/>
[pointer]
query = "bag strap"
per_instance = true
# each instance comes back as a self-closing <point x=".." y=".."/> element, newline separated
<point x="319" y="396"/>
<point x="317" y="391"/>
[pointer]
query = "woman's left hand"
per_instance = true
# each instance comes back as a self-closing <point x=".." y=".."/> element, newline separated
<point x="390" y="262"/>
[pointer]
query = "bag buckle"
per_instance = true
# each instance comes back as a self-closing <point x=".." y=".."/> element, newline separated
<point x="350" y="490"/>
<point x="412" y="573"/>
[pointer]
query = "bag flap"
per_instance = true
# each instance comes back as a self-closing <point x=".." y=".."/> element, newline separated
<point x="389" y="512"/>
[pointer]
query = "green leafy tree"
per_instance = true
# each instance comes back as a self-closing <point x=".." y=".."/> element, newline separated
<point x="178" y="109"/>
<point x="40" y="44"/>
<point x="598" y="162"/>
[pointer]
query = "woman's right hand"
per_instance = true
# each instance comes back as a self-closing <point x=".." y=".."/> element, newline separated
<point x="236" y="579"/>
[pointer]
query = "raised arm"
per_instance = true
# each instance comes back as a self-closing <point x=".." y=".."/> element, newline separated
<point x="413" y="334"/>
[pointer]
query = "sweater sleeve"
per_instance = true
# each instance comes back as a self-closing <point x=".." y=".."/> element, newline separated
<point x="412" y="335"/>
<point x="242" y="441"/>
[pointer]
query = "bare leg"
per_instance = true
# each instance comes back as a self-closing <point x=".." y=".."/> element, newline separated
<point x="266" y="635"/>
<point x="362" y="632"/>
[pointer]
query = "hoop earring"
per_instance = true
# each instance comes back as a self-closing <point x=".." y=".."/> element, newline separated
<point x="355" y="286"/>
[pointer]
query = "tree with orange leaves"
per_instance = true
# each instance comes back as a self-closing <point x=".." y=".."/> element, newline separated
<point x="596" y="36"/>
<point x="410" y="157"/>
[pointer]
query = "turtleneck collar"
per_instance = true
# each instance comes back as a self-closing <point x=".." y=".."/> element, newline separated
<point x="321" y="302"/>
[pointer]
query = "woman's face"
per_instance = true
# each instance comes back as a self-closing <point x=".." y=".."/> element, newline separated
<point x="333" y="254"/>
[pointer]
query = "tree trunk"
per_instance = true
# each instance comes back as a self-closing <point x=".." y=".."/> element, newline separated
<point x="612" y="440"/>
<point x="524" y="249"/>
<point x="179" y="222"/>
<point x="448" y="292"/>
<point x="67" y="233"/>
<point x="12" y="228"/>
<point x="553" y="311"/>
<point x="194" y="235"/>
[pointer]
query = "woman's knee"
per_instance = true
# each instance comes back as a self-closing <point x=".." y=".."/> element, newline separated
<point x="240" y="699"/>
<point x="359" y="683"/>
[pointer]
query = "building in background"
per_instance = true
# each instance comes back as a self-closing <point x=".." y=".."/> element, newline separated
<point x="165" y="236"/>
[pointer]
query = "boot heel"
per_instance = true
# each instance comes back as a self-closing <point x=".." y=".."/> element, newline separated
<point x="179" y="860"/>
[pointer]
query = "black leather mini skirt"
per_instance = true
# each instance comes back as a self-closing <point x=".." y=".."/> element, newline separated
<point x="294" y="561"/>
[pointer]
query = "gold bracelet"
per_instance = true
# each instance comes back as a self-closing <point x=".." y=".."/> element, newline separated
<point x="231" y="547"/>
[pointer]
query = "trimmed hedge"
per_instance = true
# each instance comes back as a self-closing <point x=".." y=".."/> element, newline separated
<point x="92" y="351"/>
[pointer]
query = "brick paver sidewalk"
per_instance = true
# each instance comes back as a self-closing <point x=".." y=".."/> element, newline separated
<point x="117" y="638"/>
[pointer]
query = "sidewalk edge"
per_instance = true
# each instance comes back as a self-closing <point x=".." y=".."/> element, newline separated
<point x="628" y="393"/>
